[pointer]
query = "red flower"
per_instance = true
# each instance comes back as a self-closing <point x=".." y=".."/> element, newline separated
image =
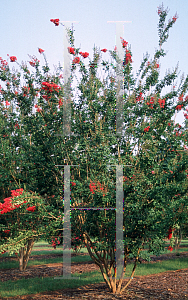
<point x="146" y="129"/>
<point x="103" y="50"/>
<point x="32" y="63"/>
<point x="71" y="50"/>
<point x="84" y="54"/>
<point x="76" y="60"/>
<point x="50" y="86"/>
<point x="73" y="183"/>
<point x="152" y="172"/>
<point x="31" y="208"/>
<point x="60" y="103"/>
<point x="179" y="107"/>
<point x="6" y="231"/>
<point x="124" y="43"/>
<point x="174" y="18"/>
<point x="170" y="248"/>
<point x="159" y="11"/>
<point x="55" y="21"/>
<point x="16" y="125"/>
<point x="161" y="103"/>
<point x="128" y="57"/>
<point x="7" y="103"/>
<point x="13" y="58"/>
<point x="170" y="236"/>
<point x="40" y="50"/>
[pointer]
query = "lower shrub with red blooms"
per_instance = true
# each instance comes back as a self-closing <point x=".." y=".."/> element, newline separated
<point x="104" y="50"/>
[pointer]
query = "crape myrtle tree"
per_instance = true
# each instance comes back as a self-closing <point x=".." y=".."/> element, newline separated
<point x="155" y="184"/>
<point x="155" y="147"/>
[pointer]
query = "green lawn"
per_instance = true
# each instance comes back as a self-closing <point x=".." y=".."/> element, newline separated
<point x="36" y="285"/>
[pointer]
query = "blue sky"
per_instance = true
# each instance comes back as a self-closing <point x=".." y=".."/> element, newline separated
<point x="25" y="26"/>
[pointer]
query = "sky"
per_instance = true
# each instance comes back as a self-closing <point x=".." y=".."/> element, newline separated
<point x="25" y="25"/>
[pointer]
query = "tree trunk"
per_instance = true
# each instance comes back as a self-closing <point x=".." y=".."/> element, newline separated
<point x="24" y="253"/>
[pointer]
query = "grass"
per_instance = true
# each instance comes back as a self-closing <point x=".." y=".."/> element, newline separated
<point x="15" y="264"/>
<point x="37" y="285"/>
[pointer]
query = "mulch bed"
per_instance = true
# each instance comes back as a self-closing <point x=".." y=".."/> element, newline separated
<point x="166" y="285"/>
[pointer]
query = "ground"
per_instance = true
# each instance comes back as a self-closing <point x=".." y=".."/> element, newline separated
<point x="167" y="285"/>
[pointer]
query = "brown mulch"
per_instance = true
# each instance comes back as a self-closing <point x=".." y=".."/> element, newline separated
<point x="166" y="285"/>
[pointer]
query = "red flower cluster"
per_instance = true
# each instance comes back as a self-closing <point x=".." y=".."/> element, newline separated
<point x="55" y="21"/>
<point x="49" y="87"/>
<point x="180" y="98"/>
<point x="185" y="115"/>
<point x="128" y="57"/>
<point x="38" y="108"/>
<point x="174" y="18"/>
<point x="34" y="61"/>
<point x="54" y="243"/>
<point x="179" y="107"/>
<point x="31" y="208"/>
<point x="16" y="125"/>
<point x="13" y="58"/>
<point x="7" y="103"/>
<point x="146" y="129"/>
<point x="25" y="90"/>
<point x="76" y="60"/>
<point x="103" y="50"/>
<point x="170" y="233"/>
<point x="8" y="206"/>
<point x="40" y="50"/>
<point x="161" y="103"/>
<point x="71" y="50"/>
<point x="3" y="62"/>
<point x="60" y="103"/>
<point x="92" y="187"/>
<point x="170" y="248"/>
<point x="151" y="103"/>
<point x="73" y="183"/>
<point x="6" y="231"/>
<point x="139" y="98"/>
<point x="159" y="11"/>
<point x="124" y="43"/>
<point x="17" y="192"/>
<point x="84" y="54"/>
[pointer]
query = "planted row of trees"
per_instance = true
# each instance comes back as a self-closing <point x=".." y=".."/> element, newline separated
<point x="155" y="186"/>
